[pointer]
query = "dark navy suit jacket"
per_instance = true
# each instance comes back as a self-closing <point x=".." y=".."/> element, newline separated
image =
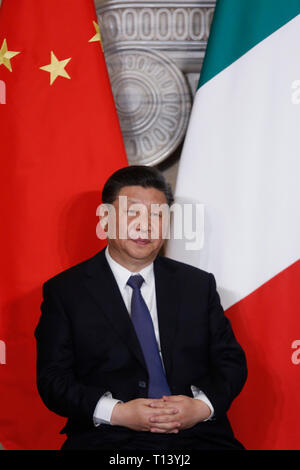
<point x="86" y="346"/>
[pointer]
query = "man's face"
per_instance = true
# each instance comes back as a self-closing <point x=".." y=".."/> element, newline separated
<point x="137" y="221"/>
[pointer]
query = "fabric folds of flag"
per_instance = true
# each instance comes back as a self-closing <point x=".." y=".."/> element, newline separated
<point x="60" y="140"/>
<point x="241" y="160"/>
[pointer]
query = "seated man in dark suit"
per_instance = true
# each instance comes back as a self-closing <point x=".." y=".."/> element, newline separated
<point x="134" y="348"/>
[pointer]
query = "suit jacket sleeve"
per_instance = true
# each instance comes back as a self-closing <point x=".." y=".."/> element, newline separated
<point x="228" y="369"/>
<point x="56" y="378"/>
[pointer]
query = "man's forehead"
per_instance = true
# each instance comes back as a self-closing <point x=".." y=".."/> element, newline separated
<point x="133" y="201"/>
<point x="140" y="195"/>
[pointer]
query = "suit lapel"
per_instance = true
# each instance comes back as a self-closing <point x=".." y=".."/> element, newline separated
<point x="167" y="300"/>
<point x="102" y="286"/>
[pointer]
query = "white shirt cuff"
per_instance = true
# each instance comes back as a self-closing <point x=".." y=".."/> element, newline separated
<point x="104" y="408"/>
<point x="199" y="395"/>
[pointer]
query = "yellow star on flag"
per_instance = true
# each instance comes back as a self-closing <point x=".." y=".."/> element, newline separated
<point x="6" y="55"/>
<point x="97" y="36"/>
<point x="56" y="68"/>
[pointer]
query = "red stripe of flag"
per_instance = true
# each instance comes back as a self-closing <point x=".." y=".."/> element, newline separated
<point x="266" y="322"/>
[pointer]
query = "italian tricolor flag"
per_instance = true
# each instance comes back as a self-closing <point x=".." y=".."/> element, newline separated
<point x="241" y="159"/>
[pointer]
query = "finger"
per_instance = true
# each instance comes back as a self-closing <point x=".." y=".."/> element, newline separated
<point x="163" y="399"/>
<point x="158" y="430"/>
<point x="164" y="424"/>
<point x="172" y="398"/>
<point x="163" y="405"/>
<point x="168" y="412"/>
<point x="162" y="419"/>
<point x="157" y="403"/>
<point x="153" y="400"/>
<point x="165" y="427"/>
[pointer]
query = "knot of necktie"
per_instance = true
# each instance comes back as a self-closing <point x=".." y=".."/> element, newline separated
<point x="135" y="281"/>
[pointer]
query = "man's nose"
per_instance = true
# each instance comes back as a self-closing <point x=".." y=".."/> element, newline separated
<point x="144" y="224"/>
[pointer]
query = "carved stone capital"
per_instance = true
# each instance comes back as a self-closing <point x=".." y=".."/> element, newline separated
<point x="153" y="103"/>
<point x="154" y="52"/>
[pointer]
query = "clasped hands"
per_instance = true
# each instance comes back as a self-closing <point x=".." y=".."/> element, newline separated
<point x="168" y="414"/>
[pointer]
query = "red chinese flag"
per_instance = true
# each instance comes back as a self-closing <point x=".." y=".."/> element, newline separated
<point x="60" y="141"/>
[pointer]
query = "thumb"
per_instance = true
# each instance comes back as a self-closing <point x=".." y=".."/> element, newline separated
<point x="172" y="398"/>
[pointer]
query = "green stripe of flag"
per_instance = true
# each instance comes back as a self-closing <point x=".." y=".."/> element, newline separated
<point x="238" y="25"/>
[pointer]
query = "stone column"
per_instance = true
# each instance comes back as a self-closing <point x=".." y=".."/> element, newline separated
<point x="154" y="52"/>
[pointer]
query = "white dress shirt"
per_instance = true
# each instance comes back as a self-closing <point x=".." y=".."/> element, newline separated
<point x="104" y="407"/>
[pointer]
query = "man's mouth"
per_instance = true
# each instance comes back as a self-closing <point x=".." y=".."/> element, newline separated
<point x="141" y="241"/>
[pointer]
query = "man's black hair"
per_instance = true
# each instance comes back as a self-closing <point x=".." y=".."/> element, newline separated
<point x="135" y="175"/>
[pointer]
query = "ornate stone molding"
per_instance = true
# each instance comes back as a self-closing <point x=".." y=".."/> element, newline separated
<point x="159" y="22"/>
<point x="154" y="52"/>
<point x="179" y="27"/>
<point x="153" y="103"/>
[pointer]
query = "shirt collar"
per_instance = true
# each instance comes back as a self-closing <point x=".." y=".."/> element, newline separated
<point x="122" y="274"/>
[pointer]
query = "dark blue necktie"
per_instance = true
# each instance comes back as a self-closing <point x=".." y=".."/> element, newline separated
<point x="142" y="322"/>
